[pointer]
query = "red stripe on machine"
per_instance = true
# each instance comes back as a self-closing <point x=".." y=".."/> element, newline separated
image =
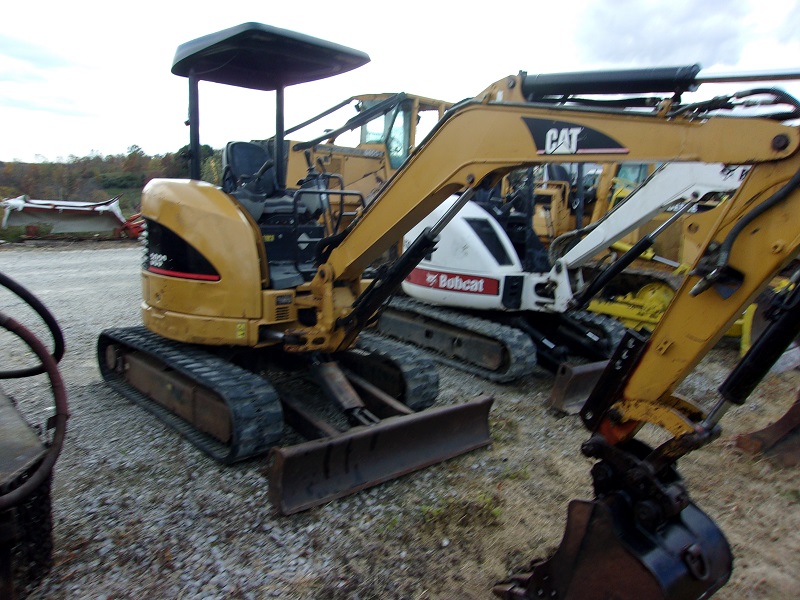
<point x="182" y="275"/>
<point x="454" y="282"/>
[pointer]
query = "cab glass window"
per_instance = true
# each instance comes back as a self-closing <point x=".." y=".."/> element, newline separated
<point x="398" y="142"/>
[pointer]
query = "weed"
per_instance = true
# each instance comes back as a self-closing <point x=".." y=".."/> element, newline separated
<point x="504" y="430"/>
<point x="390" y="524"/>
<point x="484" y="509"/>
<point x="431" y="513"/>
<point x="12" y="234"/>
<point x="792" y="495"/>
<point x="521" y="474"/>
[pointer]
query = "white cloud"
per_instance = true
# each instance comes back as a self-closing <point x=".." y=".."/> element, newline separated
<point x="655" y="33"/>
<point x="110" y="85"/>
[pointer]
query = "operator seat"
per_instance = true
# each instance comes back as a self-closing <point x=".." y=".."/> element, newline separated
<point x="241" y="161"/>
<point x="287" y="222"/>
<point x="557" y="172"/>
<point x="259" y="195"/>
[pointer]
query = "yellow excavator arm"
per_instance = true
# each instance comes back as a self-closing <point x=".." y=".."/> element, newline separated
<point x="700" y="315"/>
<point x="479" y="140"/>
<point x="642" y="530"/>
<point x="642" y="537"/>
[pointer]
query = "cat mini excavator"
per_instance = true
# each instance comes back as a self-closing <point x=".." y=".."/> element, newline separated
<point x="229" y="283"/>
<point x="243" y="290"/>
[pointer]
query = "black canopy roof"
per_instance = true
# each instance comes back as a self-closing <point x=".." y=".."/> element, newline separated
<point x="261" y="57"/>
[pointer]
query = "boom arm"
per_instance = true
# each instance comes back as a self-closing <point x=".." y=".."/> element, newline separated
<point x="665" y="186"/>
<point x="476" y="140"/>
<point x="479" y="140"/>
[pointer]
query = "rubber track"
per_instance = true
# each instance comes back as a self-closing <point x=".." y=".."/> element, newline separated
<point x="612" y="330"/>
<point x="419" y="374"/>
<point x="253" y="404"/>
<point x="521" y="350"/>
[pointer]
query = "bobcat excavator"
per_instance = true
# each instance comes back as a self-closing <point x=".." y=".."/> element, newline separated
<point x="243" y="289"/>
<point x="489" y="265"/>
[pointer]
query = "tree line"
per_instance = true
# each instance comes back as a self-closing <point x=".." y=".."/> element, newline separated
<point x="96" y="178"/>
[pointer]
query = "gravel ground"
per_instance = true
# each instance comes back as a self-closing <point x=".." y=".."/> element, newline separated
<point x="139" y="513"/>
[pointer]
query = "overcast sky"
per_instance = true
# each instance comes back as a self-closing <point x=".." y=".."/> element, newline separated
<point x="85" y="77"/>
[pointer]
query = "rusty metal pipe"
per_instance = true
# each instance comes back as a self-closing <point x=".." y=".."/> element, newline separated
<point x="49" y="365"/>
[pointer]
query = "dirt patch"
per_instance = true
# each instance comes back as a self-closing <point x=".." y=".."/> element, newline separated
<point x="140" y="513"/>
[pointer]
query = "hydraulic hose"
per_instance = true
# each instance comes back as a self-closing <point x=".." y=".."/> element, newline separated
<point x="719" y="267"/>
<point x="50" y="366"/>
<point x="49" y="320"/>
<point x="776" y="198"/>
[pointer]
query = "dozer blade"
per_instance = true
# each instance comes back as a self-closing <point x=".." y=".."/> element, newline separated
<point x="572" y="386"/>
<point x="318" y="471"/>
<point x="779" y="441"/>
<point x="605" y="555"/>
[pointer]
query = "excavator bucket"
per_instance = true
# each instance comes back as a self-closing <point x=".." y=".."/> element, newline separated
<point x="779" y="441"/>
<point x="572" y="386"/>
<point x="604" y="554"/>
<point x="318" y="471"/>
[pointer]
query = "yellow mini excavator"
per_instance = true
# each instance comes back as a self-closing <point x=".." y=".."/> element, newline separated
<point x="229" y="282"/>
<point x="242" y="288"/>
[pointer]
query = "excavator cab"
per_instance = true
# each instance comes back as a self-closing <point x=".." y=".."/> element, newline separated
<point x="260" y="57"/>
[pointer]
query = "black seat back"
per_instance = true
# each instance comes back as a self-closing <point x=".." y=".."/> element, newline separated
<point x="241" y="161"/>
<point x="557" y="173"/>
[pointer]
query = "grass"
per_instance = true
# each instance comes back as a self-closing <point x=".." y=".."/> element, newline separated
<point x="504" y="430"/>
<point x="792" y="495"/>
<point x="389" y="524"/>
<point x="521" y="474"/>
<point x="483" y="509"/>
<point x="12" y="234"/>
